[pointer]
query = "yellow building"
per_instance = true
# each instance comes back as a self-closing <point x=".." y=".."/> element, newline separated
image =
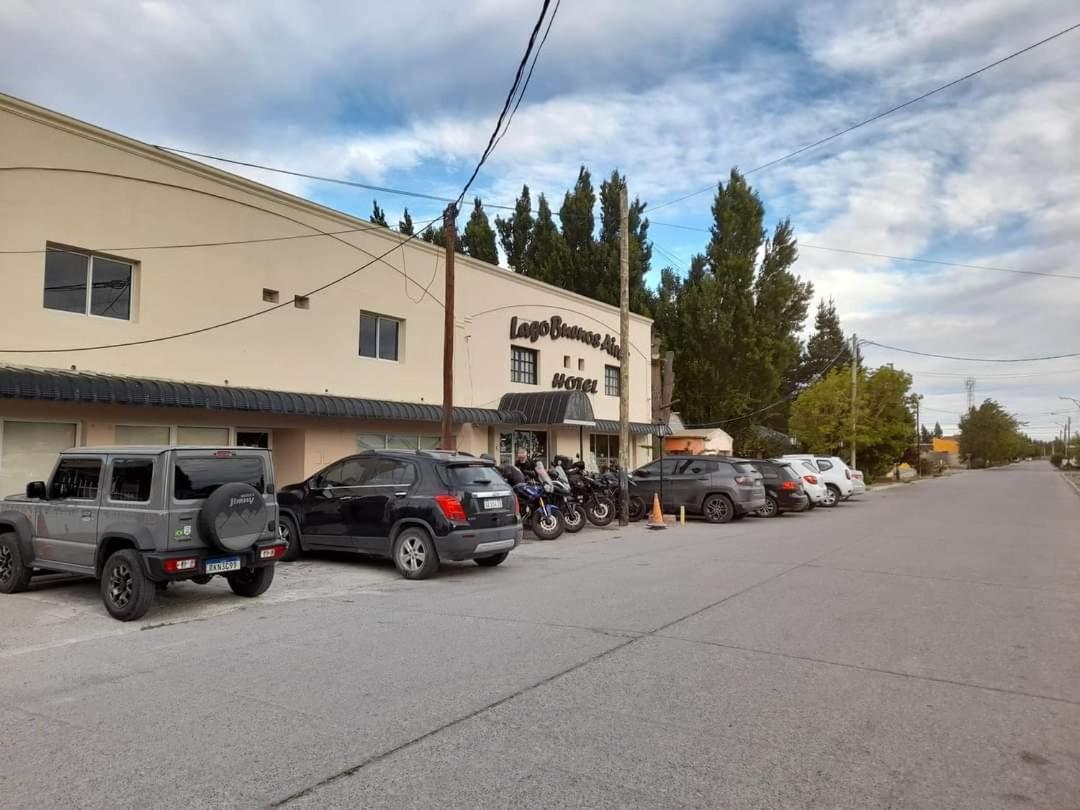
<point x="946" y="444"/>
<point x="311" y="367"/>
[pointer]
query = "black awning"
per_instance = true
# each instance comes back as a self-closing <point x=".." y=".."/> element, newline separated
<point x="85" y="387"/>
<point x="549" y="408"/>
<point x="636" y="428"/>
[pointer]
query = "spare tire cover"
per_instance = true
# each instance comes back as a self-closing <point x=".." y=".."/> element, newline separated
<point x="233" y="517"/>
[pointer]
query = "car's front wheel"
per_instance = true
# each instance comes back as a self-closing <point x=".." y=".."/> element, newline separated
<point x="718" y="509"/>
<point x="493" y="560"/>
<point x="126" y="591"/>
<point x="251" y="582"/>
<point x="14" y="576"/>
<point x="415" y="555"/>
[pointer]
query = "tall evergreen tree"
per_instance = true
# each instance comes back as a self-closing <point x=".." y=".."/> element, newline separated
<point x="378" y="216"/>
<point x="938" y="432"/>
<point x="437" y="236"/>
<point x="825" y="344"/>
<point x="478" y="238"/>
<point x="546" y="255"/>
<point x="578" y="226"/>
<point x="605" y="275"/>
<point x="515" y="232"/>
<point x="924" y="435"/>
<point x="405" y="226"/>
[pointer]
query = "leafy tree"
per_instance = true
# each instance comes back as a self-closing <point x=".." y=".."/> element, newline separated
<point x="821" y="416"/>
<point x="478" y="238"/>
<point x="988" y="435"/>
<point x="378" y="216"/>
<point x="515" y="232"/>
<point x="938" y="432"/>
<point x="825" y="345"/>
<point x="405" y="226"/>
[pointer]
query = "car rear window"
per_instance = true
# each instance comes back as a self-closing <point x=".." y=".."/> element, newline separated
<point x="787" y="472"/>
<point x="198" y="476"/>
<point x="743" y="467"/>
<point x="473" y="475"/>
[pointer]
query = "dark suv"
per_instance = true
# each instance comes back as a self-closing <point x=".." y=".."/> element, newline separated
<point x="783" y="488"/>
<point x="720" y="489"/>
<point x="418" y="507"/>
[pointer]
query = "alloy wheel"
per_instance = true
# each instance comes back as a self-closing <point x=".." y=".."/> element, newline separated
<point x="718" y="509"/>
<point x="120" y="585"/>
<point x="412" y="554"/>
<point x="830" y="497"/>
<point x="283" y="531"/>
<point x="7" y="563"/>
<point x="769" y="509"/>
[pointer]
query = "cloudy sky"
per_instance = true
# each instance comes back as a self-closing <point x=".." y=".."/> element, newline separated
<point x="674" y="94"/>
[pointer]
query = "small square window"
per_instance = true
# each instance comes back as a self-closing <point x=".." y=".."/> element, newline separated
<point x="523" y="365"/>
<point x="612" y="378"/>
<point x="581" y="364"/>
<point x="566" y="361"/>
<point x="270" y="296"/>
<point x="301" y="302"/>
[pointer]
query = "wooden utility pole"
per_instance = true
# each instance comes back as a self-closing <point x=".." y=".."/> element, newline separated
<point x="854" y="396"/>
<point x="624" y="358"/>
<point x="448" y="441"/>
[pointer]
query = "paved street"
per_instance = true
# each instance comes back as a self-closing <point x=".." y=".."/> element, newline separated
<point x="917" y="648"/>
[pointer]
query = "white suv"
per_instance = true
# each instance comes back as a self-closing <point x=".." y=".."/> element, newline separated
<point x="833" y="472"/>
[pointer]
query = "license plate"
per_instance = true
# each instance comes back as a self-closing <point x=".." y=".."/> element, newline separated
<point x="222" y="564"/>
<point x="493" y="503"/>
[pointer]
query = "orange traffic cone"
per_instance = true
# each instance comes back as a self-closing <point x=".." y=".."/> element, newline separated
<point x="656" y="517"/>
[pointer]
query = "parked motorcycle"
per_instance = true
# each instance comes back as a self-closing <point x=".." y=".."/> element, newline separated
<point x="544" y="518"/>
<point x="592" y="494"/>
<point x="563" y="495"/>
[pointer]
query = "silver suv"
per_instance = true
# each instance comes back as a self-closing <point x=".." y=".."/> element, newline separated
<point x="138" y="518"/>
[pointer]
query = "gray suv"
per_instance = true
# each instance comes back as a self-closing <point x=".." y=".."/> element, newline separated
<point x="138" y="518"/>
<point x="719" y="489"/>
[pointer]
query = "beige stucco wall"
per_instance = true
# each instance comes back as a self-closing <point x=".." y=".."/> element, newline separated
<point x="312" y="350"/>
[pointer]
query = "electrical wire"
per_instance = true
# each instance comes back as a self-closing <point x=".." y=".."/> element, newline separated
<point x="772" y="405"/>
<point x="881" y="115"/>
<point x="506" y="104"/>
<point x="970" y="359"/>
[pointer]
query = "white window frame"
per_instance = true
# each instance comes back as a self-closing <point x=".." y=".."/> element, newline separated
<point x="378" y="335"/>
<point x="90" y="256"/>
<point x="386" y="440"/>
<point x="174" y="429"/>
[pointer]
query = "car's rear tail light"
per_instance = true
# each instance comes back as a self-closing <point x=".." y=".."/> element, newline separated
<point x="810" y="479"/>
<point x="744" y="480"/>
<point x="789" y="486"/>
<point x="451" y="507"/>
<point x="272" y="553"/>
<point x="176" y="565"/>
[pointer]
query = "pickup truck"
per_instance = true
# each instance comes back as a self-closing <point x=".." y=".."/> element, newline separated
<point x="138" y="518"/>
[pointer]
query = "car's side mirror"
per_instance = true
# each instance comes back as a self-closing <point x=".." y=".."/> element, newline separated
<point x="36" y="489"/>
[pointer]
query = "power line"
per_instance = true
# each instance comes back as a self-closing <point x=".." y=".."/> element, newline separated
<point x="506" y="104"/>
<point x="971" y="359"/>
<point x="881" y="115"/>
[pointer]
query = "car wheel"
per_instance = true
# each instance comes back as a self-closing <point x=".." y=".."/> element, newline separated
<point x="251" y="582"/>
<point x="718" y="509"/>
<point x="125" y="589"/>
<point x="832" y="495"/>
<point x="415" y="555"/>
<point x="771" y="507"/>
<point x="493" y="560"/>
<point x="14" y="576"/>
<point x="288" y="532"/>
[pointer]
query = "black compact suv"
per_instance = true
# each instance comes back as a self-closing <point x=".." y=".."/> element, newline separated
<point x="417" y="507"/>
<point x="783" y="488"/>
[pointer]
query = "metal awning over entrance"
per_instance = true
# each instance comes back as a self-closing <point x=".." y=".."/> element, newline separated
<point x="550" y="408"/>
<point x="103" y="389"/>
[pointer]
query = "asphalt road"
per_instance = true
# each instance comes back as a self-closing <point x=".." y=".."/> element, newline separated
<point x="918" y="648"/>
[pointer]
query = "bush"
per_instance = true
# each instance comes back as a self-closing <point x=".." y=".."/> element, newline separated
<point x="1056" y="459"/>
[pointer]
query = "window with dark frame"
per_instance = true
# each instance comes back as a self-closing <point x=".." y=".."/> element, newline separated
<point x="611" y="381"/>
<point x="87" y="284"/>
<point x="379" y="336"/>
<point x="523" y="365"/>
